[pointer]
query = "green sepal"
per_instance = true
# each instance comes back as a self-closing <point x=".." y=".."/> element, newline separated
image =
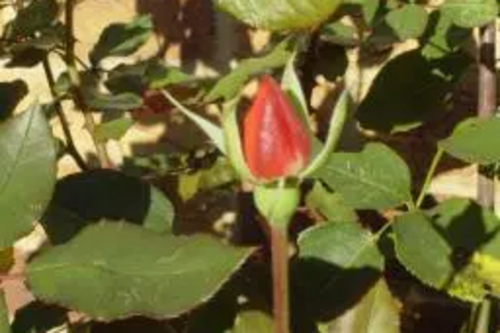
<point x="214" y="132"/>
<point x="339" y="117"/>
<point x="277" y="204"/>
<point x="290" y="84"/>
<point x="232" y="139"/>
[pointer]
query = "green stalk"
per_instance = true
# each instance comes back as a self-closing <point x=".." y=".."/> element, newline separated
<point x="280" y="273"/>
<point x="483" y="321"/>
<point x="278" y="205"/>
<point x="430" y="173"/>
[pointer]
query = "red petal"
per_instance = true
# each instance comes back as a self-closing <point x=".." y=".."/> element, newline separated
<point x="276" y="143"/>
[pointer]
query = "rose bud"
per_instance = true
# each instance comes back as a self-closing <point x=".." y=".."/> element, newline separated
<point x="276" y="143"/>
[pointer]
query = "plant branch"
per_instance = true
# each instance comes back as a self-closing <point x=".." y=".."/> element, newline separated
<point x="279" y="254"/>
<point x="486" y="109"/>
<point x="76" y="82"/>
<point x="486" y="103"/>
<point x="62" y="53"/>
<point x="71" y="147"/>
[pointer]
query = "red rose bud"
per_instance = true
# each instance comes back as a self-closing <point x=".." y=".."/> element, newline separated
<point x="275" y="141"/>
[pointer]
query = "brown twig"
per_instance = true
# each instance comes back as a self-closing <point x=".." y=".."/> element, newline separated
<point x="76" y="82"/>
<point x="70" y="143"/>
<point x="486" y="109"/>
<point x="486" y="103"/>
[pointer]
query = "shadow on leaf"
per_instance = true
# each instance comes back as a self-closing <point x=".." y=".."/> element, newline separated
<point x="88" y="197"/>
<point x="11" y="93"/>
<point x="420" y="89"/>
<point x="134" y="324"/>
<point x="325" y="291"/>
<point x="38" y="317"/>
<point x="466" y="227"/>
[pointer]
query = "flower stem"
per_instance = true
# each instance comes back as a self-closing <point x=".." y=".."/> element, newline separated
<point x="279" y="254"/>
<point x="71" y="147"/>
<point x="76" y="82"/>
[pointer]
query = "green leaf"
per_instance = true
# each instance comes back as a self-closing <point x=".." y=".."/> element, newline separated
<point x="336" y="126"/>
<point x="409" y="90"/>
<point x="98" y="101"/>
<point x="27" y="172"/>
<point x="4" y="315"/>
<point x="338" y="263"/>
<point x="347" y="245"/>
<point x="187" y="186"/>
<point x="160" y="276"/>
<point x="120" y="39"/>
<point x="370" y="9"/>
<point x="214" y="132"/>
<point x="375" y="178"/>
<point x="113" y="129"/>
<point x="62" y="85"/>
<point x="217" y="315"/>
<point x="230" y="85"/>
<point x="31" y="50"/>
<point x="11" y="93"/>
<point x="37" y="16"/>
<point x="464" y="224"/>
<point x="472" y="232"/>
<point x="86" y="198"/>
<point x="144" y="75"/>
<point x="486" y="269"/>
<point x="475" y="141"/>
<point x="442" y="37"/>
<point x="470" y="14"/>
<point x="407" y="22"/>
<point x="253" y="321"/>
<point x="377" y="312"/>
<point x="330" y="205"/>
<point x="279" y="14"/>
<point x="433" y="252"/>
<point x="45" y="40"/>
<point x="341" y="34"/>
<point x="422" y="250"/>
<point x="219" y="174"/>
<point x="159" y="76"/>
<point x="128" y="77"/>
<point x="26" y="57"/>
